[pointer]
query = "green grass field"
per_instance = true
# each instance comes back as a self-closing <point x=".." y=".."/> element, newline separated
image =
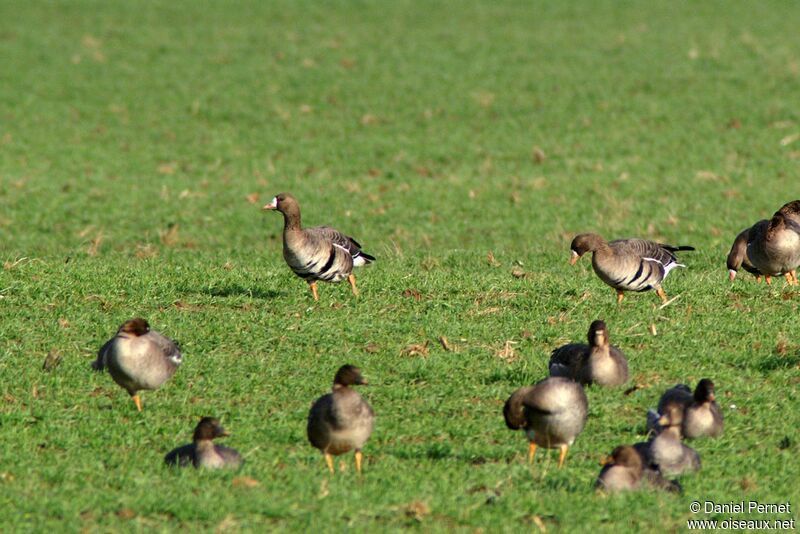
<point x="139" y="140"/>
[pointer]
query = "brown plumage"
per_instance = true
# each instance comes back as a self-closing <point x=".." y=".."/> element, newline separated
<point x="552" y="412"/>
<point x="737" y="257"/>
<point x="667" y="451"/>
<point x="341" y="421"/>
<point x="599" y="362"/>
<point x="319" y="253"/>
<point x="774" y="246"/>
<point x="628" y="264"/>
<point x="202" y="452"/>
<point x="138" y="358"/>
<point x="625" y="471"/>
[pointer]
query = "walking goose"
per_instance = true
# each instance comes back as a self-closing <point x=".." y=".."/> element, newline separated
<point x="341" y="421"/>
<point x="596" y="363"/>
<point x="737" y="257"/>
<point x="628" y="264"/>
<point x="319" y="253"/>
<point x="774" y="246"/>
<point x="138" y="358"/>
<point x="552" y="412"/>
<point x="202" y="452"/>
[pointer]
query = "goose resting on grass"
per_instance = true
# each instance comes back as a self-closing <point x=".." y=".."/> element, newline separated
<point x="138" y="358"/>
<point x="773" y="246"/>
<point x="596" y="363"/>
<point x="341" y="421"/>
<point x="202" y="452"/>
<point x="628" y="264"/>
<point x="667" y="451"/>
<point x="319" y="253"/>
<point x="624" y="470"/>
<point x="552" y="412"/>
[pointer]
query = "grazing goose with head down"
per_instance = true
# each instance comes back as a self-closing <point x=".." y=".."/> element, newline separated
<point x="341" y="421"/>
<point x="737" y="257"/>
<point x="138" y="358"/>
<point x="202" y="452"/>
<point x="596" y="363"/>
<point x="552" y="412"/>
<point x="319" y="253"/>
<point x="774" y="246"/>
<point x="624" y="470"/>
<point x="667" y="451"/>
<point x="628" y="264"/>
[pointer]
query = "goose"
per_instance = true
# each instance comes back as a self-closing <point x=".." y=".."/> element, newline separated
<point x="774" y="246"/>
<point x="552" y="412"/>
<point x="596" y="363"/>
<point x="737" y="257"/>
<point x="625" y="470"/>
<point x="202" y="452"/>
<point x="319" y="253"/>
<point x="341" y="421"/>
<point x="703" y="416"/>
<point x="138" y="358"/>
<point x="666" y="449"/>
<point x="628" y="264"/>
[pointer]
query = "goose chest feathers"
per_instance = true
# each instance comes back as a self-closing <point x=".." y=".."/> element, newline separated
<point x="596" y="363"/>
<point x="319" y="253"/>
<point x="342" y="420"/>
<point x="202" y="452"/>
<point x="628" y="264"/>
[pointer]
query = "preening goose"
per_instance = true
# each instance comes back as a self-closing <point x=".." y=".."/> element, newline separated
<point x="628" y="264"/>
<point x="624" y="470"/>
<point x="774" y="246"/>
<point x="737" y="257"/>
<point x="596" y="363"/>
<point x="138" y="358"/>
<point x="341" y="421"/>
<point x="552" y="412"/>
<point x="202" y="452"/>
<point x="319" y="253"/>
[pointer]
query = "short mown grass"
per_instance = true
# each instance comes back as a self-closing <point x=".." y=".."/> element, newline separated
<point x="463" y="144"/>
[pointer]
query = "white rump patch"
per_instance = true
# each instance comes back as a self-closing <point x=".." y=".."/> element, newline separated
<point x="358" y="261"/>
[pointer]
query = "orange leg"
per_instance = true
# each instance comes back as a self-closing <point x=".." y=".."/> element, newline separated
<point x="137" y="401"/>
<point x="620" y="296"/>
<point x="662" y="294"/>
<point x="758" y="278"/>
<point x="329" y="461"/>
<point x="359" y="458"/>
<point x="562" y="456"/>
<point x="531" y="452"/>
<point x="789" y="279"/>
<point x="768" y="278"/>
<point x="794" y="276"/>
<point x="313" y="286"/>
<point x="352" y="280"/>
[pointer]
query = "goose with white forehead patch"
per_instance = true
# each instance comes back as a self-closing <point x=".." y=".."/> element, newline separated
<point x="628" y="264"/>
<point x="319" y="253"/>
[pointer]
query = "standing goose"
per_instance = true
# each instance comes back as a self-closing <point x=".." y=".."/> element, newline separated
<point x="596" y="363"/>
<point x="202" y="452"/>
<point x="774" y="246"/>
<point x="667" y="451"/>
<point x="341" y="421"/>
<point x="552" y="413"/>
<point x="624" y="470"/>
<point x="737" y="257"/>
<point x="703" y="417"/>
<point x="628" y="264"/>
<point x="138" y="358"/>
<point x="319" y="253"/>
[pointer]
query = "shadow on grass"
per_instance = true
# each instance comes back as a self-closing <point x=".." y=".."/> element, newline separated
<point x="774" y="362"/>
<point x="235" y="290"/>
